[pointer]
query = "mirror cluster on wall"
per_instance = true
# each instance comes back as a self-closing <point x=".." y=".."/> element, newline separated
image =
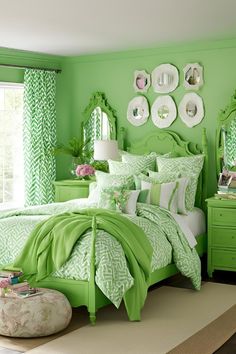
<point x="165" y="79"/>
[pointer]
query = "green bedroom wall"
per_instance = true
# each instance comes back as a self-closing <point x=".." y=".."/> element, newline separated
<point x="113" y="74"/>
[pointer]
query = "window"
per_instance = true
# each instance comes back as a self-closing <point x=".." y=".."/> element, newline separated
<point x="11" y="146"/>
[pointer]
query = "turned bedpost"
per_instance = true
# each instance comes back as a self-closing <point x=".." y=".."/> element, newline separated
<point x="205" y="168"/>
<point x="91" y="284"/>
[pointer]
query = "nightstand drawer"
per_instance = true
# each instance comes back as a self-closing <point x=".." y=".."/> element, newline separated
<point x="225" y="259"/>
<point x="223" y="237"/>
<point x="224" y="216"/>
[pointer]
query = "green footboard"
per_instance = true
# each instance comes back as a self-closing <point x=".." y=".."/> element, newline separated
<point x="86" y="293"/>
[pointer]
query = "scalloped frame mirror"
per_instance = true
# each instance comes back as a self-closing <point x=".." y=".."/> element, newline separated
<point x="193" y="76"/>
<point x="225" y="118"/>
<point x="141" y="81"/>
<point x="100" y="117"/>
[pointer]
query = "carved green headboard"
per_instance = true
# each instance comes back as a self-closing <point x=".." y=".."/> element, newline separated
<point x="163" y="141"/>
<point x="225" y="118"/>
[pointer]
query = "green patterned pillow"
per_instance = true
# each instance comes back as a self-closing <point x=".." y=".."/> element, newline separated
<point x="141" y="162"/>
<point x="122" y="168"/>
<point x="164" y="195"/>
<point x="118" y="199"/>
<point x="106" y="180"/>
<point x="189" y="167"/>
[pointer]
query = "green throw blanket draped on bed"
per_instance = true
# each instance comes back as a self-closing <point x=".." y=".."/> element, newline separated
<point x="51" y="242"/>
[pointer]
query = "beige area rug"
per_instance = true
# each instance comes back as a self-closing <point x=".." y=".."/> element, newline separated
<point x="211" y="337"/>
<point x="170" y="316"/>
<point x="79" y="319"/>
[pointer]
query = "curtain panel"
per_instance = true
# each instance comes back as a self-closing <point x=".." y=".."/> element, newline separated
<point x="39" y="132"/>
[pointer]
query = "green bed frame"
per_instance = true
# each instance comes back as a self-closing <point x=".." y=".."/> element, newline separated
<point x="86" y="293"/>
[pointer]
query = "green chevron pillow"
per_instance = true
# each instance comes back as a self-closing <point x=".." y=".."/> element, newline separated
<point x="140" y="162"/>
<point x="118" y="199"/>
<point x="123" y="168"/>
<point x="164" y="195"/>
<point x="189" y="167"/>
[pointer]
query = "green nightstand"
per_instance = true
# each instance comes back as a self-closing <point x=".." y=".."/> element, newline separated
<point x="221" y="235"/>
<point x="71" y="189"/>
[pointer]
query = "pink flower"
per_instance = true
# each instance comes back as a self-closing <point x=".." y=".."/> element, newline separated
<point x="84" y="170"/>
<point x="4" y="283"/>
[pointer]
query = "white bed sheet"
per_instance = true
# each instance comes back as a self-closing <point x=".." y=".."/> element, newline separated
<point x="196" y="221"/>
<point x="193" y="224"/>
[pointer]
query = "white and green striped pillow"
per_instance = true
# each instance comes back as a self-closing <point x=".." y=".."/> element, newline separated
<point x="165" y="177"/>
<point x="164" y="195"/>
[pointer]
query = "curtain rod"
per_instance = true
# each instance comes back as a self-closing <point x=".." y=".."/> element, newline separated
<point x="29" y="67"/>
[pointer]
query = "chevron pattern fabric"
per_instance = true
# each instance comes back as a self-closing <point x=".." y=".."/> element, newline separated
<point x="39" y="135"/>
<point x="230" y="143"/>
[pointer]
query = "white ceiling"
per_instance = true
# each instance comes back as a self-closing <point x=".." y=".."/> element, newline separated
<point x="75" y="27"/>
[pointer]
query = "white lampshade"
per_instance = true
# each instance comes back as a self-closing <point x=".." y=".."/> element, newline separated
<point x="105" y="150"/>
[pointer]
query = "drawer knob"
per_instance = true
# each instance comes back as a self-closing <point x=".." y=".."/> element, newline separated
<point x="232" y="237"/>
<point x="220" y="214"/>
<point x="233" y="258"/>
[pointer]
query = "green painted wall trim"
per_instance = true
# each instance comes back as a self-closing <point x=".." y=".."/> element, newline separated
<point x="170" y="48"/>
<point x="20" y="57"/>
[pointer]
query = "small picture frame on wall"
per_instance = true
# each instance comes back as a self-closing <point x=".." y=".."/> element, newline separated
<point x="141" y="81"/>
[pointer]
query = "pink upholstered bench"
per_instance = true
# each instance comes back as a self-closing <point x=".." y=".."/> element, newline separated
<point x="35" y="316"/>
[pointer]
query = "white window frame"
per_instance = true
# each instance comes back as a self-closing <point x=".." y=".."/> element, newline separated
<point x="11" y="205"/>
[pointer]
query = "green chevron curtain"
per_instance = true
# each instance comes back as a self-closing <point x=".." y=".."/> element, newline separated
<point x="231" y="143"/>
<point x="39" y="133"/>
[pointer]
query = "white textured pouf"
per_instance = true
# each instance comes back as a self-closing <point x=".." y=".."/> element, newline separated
<point x="35" y="316"/>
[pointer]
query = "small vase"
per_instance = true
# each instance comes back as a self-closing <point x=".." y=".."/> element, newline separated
<point x="75" y="162"/>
